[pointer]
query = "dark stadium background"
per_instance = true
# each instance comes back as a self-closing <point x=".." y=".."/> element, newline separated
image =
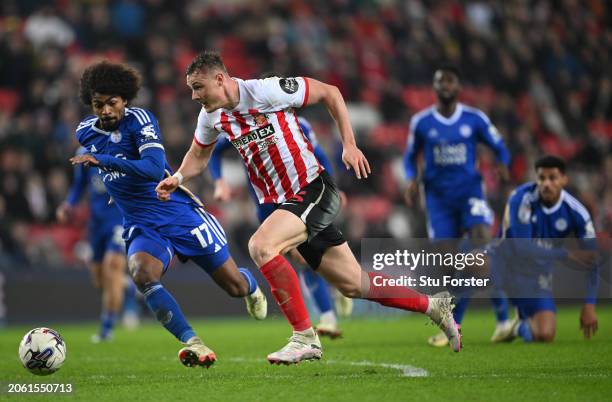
<point x="542" y="71"/>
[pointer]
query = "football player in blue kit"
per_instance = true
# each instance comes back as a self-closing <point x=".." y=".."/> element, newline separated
<point x="125" y="144"/>
<point x="317" y="286"/>
<point x="108" y="263"/>
<point x="447" y="134"/>
<point x="544" y="211"/>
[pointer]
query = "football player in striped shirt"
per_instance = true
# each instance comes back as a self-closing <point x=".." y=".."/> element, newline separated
<point x="315" y="285"/>
<point x="258" y="117"/>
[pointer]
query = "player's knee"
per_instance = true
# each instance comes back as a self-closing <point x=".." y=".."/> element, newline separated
<point x="141" y="273"/>
<point x="545" y="335"/>
<point x="261" y="251"/>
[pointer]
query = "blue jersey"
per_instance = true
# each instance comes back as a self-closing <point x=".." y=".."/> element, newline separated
<point x="133" y="191"/>
<point x="527" y="218"/>
<point x="132" y="161"/>
<point x="449" y="148"/>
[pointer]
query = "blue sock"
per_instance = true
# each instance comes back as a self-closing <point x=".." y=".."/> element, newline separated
<point x="129" y="298"/>
<point x="524" y="331"/>
<point x="250" y="279"/>
<point x="460" y="307"/>
<point x="500" y="305"/>
<point x="318" y="289"/>
<point x="167" y="311"/>
<point x="107" y="323"/>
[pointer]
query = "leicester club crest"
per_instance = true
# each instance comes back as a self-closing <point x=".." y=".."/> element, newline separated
<point x="115" y="136"/>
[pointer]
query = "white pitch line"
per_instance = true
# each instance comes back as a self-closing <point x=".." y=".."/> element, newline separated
<point x="405" y="369"/>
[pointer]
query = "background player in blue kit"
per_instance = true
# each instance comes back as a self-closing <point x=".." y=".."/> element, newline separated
<point x="544" y="211"/>
<point x="317" y="286"/>
<point x="447" y="134"/>
<point x="124" y="143"/>
<point x="108" y="261"/>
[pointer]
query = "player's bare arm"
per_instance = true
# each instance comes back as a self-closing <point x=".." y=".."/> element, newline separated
<point x="333" y="100"/>
<point x="195" y="161"/>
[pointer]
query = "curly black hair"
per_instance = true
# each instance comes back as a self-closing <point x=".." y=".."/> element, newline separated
<point x="206" y="61"/>
<point x="550" y="161"/>
<point x="109" y="79"/>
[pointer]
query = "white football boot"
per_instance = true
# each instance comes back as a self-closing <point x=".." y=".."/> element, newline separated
<point x="195" y="353"/>
<point x="303" y="345"/>
<point x="257" y="305"/>
<point x="503" y="332"/>
<point x="440" y="311"/>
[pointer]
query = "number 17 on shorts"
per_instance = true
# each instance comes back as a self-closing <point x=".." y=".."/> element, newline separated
<point x="209" y="232"/>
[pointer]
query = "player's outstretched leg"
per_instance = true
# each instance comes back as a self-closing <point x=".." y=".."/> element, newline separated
<point x="341" y="269"/>
<point x="146" y="271"/>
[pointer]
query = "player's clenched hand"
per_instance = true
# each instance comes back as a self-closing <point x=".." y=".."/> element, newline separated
<point x="85" y="159"/>
<point x="166" y="187"/>
<point x="411" y="192"/>
<point x="354" y="158"/>
<point x="503" y="173"/>
<point x="222" y="191"/>
<point x="588" y="320"/>
<point x="64" y="212"/>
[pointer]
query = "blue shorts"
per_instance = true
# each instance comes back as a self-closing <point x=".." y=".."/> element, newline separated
<point x="203" y="241"/>
<point x="448" y="217"/>
<point x="104" y="240"/>
<point x="265" y="210"/>
<point x="529" y="307"/>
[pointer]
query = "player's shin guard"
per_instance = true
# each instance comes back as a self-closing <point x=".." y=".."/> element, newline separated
<point x="403" y="298"/>
<point x="285" y="288"/>
<point x="249" y="278"/>
<point x="167" y="311"/>
<point x="319" y="290"/>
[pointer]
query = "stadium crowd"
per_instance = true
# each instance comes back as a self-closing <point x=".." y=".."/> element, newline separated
<point x="539" y="68"/>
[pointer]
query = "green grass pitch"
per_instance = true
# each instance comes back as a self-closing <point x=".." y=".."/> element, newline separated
<point x="370" y="363"/>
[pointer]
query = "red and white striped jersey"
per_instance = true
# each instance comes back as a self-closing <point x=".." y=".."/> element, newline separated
<point x="264" y="128"/>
